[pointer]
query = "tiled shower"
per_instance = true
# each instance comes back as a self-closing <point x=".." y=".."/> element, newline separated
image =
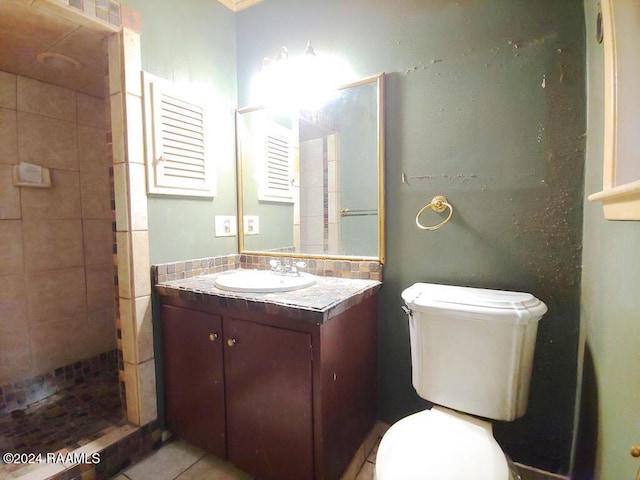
<point x="57" y="326"/>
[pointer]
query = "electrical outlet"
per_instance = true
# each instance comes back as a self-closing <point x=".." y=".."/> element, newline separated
<point x="225" y="226"/>
<point x="251" y="225"/>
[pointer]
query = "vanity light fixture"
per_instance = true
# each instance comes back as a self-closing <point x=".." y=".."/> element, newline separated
<point x="302" y="81"/>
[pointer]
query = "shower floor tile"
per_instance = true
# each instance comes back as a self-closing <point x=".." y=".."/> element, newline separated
<point x="64" y="421"/>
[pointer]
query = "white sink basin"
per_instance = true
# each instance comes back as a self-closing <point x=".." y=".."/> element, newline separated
<point x="262" y="281"/>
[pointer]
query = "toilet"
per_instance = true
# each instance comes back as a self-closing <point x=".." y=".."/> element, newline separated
<point x="471" y="354"/>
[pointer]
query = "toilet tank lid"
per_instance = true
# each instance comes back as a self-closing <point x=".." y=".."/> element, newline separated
<point x="497" y="304"/>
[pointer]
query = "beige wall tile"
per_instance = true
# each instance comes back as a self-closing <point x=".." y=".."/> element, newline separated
<point x="8" y="137"/>
<point x="9" y="195"/>
<point x="15" y="353"/>
<point x="98" y="242"/>
<point x="118" y="127"/>
<point x="115" y="63"/>
<point x="8" y="90"/>
<point x="56" y="295"/>
<point x="96" y="195"/>
<point x="58" y="342"/>
<point x="121" y="187"/>
<point x="141" y="265"/>
<point x="132" y="393"/>
<point x="135" y="141"/>
<point x="11" y="253"/>
<point x="137" y="329"/>
<point x="61" y="201"/>
<point x="48" y="142"/>
<point x="46" y="99"/>
<point x="92" y="148"/>
<point x="147" y="391"/>
<point x="138" y="197"/>
<point x="52" y="244"/>
<point x="128" y="329"/>
<point x="101" y="332"/>
<point x="125" y="281"/>
<point x="91" y="110"/>
<point x="144" y="325"/>
<point x="100" y="287"/>
<point x="133" y="61"/>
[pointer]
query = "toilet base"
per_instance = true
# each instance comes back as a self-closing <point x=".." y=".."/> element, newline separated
<point x="440" y="444"/>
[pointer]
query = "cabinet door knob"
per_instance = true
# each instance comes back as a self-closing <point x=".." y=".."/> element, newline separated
<point x="231" y="342"/>
<point x="635" y="451"/>
<point x="213" y="336"/>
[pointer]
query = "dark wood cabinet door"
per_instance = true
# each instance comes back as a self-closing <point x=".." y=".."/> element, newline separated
<point x="193" y="377"/>
<point x="268" y="377"/>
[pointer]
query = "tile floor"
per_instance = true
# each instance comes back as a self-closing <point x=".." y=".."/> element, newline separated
<point x="66" y="420"/>
<point x="179" y="460"/>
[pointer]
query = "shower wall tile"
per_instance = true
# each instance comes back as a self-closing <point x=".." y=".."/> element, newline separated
<point x="8" y="136"/>
<point x="62" y="201"/>
<point x="147" y="391"/>
<point x="8" y="96"/>
<point x="48" y="142"/>
<point x="117" y="127"/>
<point x="133" y="61"/>
<point x="56" y="294"/>
<point x="95" y="187"/>
<point x="52" y="244"/>
<point x="125" y="281"/>
<point x="58" y="342"/>
<point x="137" y="186"/>
<point x="114" y="46"/>
<point x="92" y="149"/>
<point x="11" y="253"/>
<point x="15" y="354"/>
<point x="100" y="290"/>
<point x="135" y="145"/>
<point x="91" y="111"/>
<point x="121" y="188"/>
<point x="101" y="329"/>
<point x="98" y="242"/>
<point x="141" y="263"/>
<point x="137" y="329"/>
<point x="56" y="268"/>
<point x="46" y="99"/>
<point x="132" y="393"/>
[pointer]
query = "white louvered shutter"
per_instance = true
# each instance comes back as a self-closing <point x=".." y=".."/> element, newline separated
<point x="180" y="161"/>
<point x="278" y="166"/>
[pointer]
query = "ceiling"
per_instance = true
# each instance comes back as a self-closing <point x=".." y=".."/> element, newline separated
<point x="237" y="5"/>
<point x="40" y="41"/>
<point x="35" y="41"/>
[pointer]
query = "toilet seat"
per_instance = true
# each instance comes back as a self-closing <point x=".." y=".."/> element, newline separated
<point x="440" y="444"/>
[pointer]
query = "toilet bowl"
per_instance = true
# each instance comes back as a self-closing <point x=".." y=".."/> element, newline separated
<point x="471" y="354"/>
<point x="440" y="444"/>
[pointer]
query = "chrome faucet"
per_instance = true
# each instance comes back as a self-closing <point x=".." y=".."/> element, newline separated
<point x="287" y="268"/>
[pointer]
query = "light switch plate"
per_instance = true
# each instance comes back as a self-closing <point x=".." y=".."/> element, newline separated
<point x="251" y="224"/>
<point x="225" y="226"/>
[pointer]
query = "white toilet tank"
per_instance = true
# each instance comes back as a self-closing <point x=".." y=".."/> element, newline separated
<point x="471" y="348"/>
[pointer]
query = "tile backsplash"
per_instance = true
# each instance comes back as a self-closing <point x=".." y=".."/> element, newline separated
<point x="356" y="269"/>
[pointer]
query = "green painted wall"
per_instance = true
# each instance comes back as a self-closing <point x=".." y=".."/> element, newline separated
<point x="485" y="101"/>
<point x="610" y="310"/>
<point x="192" y="42"/>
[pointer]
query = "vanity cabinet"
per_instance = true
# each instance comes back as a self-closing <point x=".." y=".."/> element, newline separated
<point x="279" y="397"/>
<point x="194" y="395"/>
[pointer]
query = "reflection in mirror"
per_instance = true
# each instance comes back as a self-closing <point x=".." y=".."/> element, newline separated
<point x="311" y="183"/>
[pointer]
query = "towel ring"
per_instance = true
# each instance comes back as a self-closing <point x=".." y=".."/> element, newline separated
<point x="438" y="204"/>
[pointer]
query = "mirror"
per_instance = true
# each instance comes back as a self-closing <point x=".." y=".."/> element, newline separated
<point x="620" y="195"/>
<point x="312" y="183"/>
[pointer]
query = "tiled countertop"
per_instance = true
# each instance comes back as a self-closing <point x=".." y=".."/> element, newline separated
<point x="328" y="297"/>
